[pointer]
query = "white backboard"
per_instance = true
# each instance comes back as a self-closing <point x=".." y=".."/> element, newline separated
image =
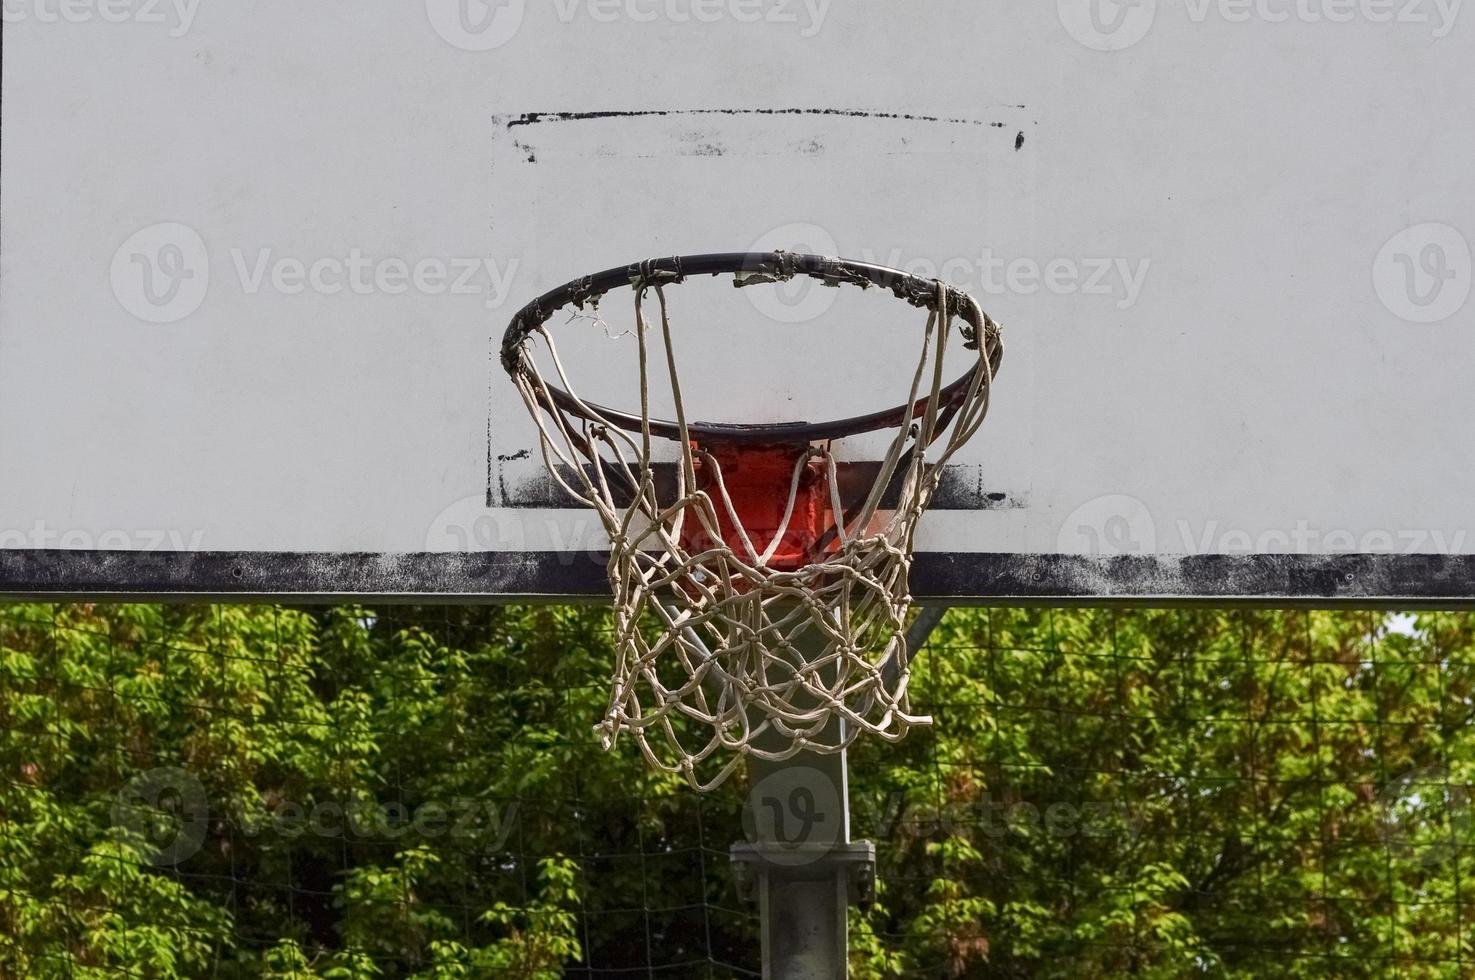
<point x="257" y="260"/>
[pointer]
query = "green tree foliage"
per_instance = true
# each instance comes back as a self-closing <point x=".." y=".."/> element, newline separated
<point x="236" y="791"/>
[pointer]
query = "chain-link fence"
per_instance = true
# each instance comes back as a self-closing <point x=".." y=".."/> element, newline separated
<point x="241" y="791"/>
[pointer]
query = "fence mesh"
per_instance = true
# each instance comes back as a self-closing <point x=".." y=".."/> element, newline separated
<point x="241" y="791"/>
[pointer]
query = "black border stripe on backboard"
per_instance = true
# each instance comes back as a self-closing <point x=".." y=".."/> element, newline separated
<point x="1396" y="581"/>
<point x="961" y="487"/>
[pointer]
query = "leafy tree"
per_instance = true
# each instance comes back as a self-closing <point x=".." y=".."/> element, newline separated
<point x="243" y="791"/>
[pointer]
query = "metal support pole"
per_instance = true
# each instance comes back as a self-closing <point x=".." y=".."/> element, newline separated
<point x="799" y="863"/>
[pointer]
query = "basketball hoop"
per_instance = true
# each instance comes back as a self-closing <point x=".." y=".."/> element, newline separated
<point x="755" y="605"/>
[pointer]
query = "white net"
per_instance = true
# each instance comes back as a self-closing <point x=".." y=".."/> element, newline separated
<point x="722" y="652"/>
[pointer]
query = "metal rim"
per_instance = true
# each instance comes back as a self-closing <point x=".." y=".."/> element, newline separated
<point x="749" y="268"/>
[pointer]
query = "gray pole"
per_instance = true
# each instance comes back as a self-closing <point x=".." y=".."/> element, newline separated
<point x="799" y="863"/>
